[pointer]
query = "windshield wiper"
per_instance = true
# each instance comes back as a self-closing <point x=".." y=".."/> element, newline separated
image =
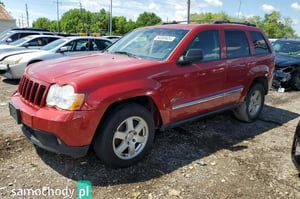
<point x="125" y="53"/>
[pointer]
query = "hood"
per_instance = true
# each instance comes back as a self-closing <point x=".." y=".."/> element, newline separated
<point x="17" y="52"/>
<point x="91" y="67"/>
<point x="286" y="60"/>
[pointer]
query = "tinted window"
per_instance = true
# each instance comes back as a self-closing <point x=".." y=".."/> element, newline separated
<point x="236" y="44"/>
<point x="208" y="42"/>
<point x="77" y="45"/>
<point x="100" y="44"/>
<point x="259" y="43"/>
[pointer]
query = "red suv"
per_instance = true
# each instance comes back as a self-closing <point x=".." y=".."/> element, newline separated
<point x="152" y="78"/>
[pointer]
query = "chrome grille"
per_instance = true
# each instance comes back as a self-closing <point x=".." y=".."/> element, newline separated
<point x="32" y="92"/>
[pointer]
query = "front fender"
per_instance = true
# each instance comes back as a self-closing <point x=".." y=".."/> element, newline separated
<point x="102" y="98"/>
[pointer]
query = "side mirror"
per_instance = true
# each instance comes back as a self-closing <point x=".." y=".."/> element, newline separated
<point x="63" y="49"/>
<point x="26" y="45"/>
<point x="8" y="40"/>
<point x="191" y="56"/>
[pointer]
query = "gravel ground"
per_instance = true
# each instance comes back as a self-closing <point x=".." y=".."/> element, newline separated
<point x="218" y="157"/>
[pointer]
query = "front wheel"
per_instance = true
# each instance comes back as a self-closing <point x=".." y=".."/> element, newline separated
<point x="125" y="135"/>
<point x="250" y="109"/>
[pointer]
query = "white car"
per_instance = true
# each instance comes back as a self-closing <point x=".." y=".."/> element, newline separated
<point x="13" y="67"/>
<point x="28" y="42"/>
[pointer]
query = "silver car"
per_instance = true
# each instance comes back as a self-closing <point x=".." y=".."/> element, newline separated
<point x="14" y="66"/>
<point x="28" y="42"/>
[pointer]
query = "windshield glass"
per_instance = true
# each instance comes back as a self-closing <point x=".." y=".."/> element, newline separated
<point x="54" y="44"/>
<point x="18" y="42"/>
<point x="149" y="43"/>
<point x="4" y="34"/>
<point x="287" y="47"/>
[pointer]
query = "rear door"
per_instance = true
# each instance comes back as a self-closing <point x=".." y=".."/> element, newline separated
<point x="238" y="61"/>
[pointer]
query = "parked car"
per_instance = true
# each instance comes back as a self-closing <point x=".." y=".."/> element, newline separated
<point x="287" y="64"/>
<point x="28" y="42"/>
<point x="13" y="66"/>
<point x="14" y="34"/>
<point x="152" y="78"/>
<point x="296" y="148"/>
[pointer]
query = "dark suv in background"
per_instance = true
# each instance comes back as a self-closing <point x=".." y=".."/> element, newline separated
<point x="13" y="34"/>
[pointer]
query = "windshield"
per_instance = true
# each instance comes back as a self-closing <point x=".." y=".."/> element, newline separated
<point x="4" y="34"/>
<point x="287" y="47"/>
<point x="54" y="44"/>
<point x="149" y="43"/>
<point x="18" y="42"/>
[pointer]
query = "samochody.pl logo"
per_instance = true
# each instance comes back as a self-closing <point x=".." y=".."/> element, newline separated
<point x="84" y="191"/>
<point x="46" y="191"/>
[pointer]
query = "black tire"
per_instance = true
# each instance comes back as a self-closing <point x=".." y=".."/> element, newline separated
<point x="250" y="109"/>
<point x="295" y="82"/>
<point x="125" y="136"/>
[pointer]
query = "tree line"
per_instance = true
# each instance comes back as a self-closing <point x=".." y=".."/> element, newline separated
<point x="84" y="21"/>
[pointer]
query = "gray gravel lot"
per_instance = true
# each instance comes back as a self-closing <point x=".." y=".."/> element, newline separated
<point x="218" y="157"/>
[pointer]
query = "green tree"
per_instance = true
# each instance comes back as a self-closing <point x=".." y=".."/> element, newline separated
<point x="42" y="23"/>
<point x="209" y="17"/>
<point x="1" y="3"/>
<point x="76" y="20"/>
<point x="277" y="27"/>
<point x="100" y="21"/>
<point x="147" y="19"/>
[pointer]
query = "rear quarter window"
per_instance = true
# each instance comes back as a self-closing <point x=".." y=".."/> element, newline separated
<point x="259" y="43"/>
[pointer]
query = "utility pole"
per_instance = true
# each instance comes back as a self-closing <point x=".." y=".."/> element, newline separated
<point x="110" y="18"/>
<point x="188" y="10"/>
<point x="57" y="8"/>
<point x="27" y="15"/>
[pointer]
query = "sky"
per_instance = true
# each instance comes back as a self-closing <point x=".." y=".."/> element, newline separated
<point x="167" y="10"/>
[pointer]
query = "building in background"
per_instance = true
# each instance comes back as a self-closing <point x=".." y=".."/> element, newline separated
<point x="6" y="20"/>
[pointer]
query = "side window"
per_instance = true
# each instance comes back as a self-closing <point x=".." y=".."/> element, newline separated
<point x="208" y="41"/>
<point x="101" y="44"/>
<point x="259" y="43"/>
<point x="15" y="36"/>
<point x="37" y="42"/>
<point x="81" y="45"/>
<point x="236" y="44"/>
<point x="77" y="45"/>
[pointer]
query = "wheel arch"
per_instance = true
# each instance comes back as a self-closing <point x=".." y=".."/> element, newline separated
<point x="144" y="101"/>
<point x="263" y="81"/>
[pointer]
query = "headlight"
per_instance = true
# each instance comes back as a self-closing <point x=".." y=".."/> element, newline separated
<point x="12" y="61"/>
<point x="64" y="97"/>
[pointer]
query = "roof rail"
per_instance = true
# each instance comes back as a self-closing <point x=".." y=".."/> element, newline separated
<point x="227" y="21"/>
<point x="31" y="29"/>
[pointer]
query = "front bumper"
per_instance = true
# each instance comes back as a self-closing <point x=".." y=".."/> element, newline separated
<point x="296" y="148"/>
<point x="282" y="77"/>
<point x="12" y="71"/>
<point x="59" y="131"/>
<point x="52" y="143"/>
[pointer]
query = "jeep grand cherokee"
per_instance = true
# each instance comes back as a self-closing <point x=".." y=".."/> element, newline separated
<point x="152" y="78"/>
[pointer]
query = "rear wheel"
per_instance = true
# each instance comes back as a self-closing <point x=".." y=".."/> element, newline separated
<point x="250" y="109"/>
<point x="125" y="136"/>
<point x="295" y="82"/>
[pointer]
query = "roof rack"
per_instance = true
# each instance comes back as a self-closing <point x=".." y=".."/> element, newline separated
<point x="32" y="29"/>
<point x="227" y="21"/>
